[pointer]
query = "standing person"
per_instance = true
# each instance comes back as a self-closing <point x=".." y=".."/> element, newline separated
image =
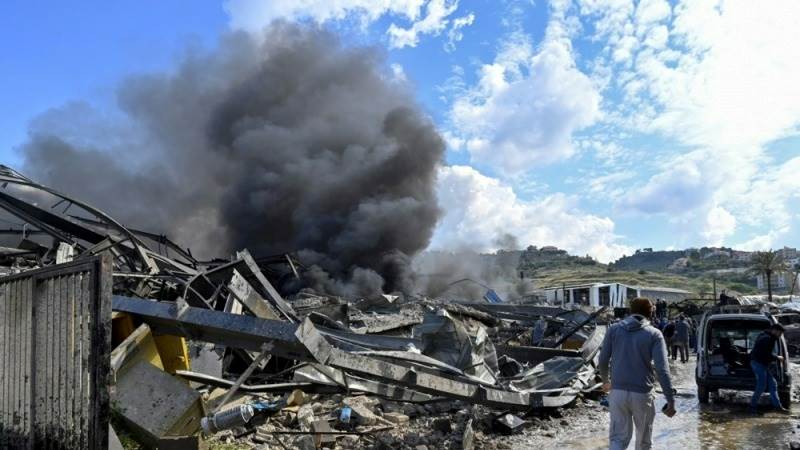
<point x="539" y="329"/>
<point x="761" y="357"/>
<point x="633" y="348"/>
<point x="681" y="339"/>
<point x="669" y="334"/>
<point x="692" y="335"/>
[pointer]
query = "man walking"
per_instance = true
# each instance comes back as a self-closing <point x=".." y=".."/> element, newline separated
<point x="633" y="348"/>
<point x="681" y="339"/>
<point x="761" y="357"/>
<point x="661" y="308"/>
<point x="669" y="333"/>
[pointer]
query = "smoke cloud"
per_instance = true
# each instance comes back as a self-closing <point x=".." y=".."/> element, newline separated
<point x="292" y="142"/>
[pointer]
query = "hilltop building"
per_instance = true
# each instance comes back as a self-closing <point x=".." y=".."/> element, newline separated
<point x="781" y="281"/>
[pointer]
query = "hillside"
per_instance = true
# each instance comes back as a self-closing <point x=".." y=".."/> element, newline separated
<point x="649" y="260"/>
<point x="556" y="276"/>
<point x="694" y="270"/>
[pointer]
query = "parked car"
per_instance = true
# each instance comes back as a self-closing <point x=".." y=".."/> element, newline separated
<point x="791" y="322"/>
<point x="725" y="338"/>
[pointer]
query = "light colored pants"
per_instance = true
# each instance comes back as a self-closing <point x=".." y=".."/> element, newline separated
<point x="628" y="409"/>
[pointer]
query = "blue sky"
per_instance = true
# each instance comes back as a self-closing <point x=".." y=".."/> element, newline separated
<point x="599" y="126"/>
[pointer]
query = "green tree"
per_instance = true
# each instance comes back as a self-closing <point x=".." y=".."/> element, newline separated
<point x="767" y="264"/>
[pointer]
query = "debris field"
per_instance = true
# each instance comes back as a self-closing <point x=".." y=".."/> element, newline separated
<point x="212" y="352"/>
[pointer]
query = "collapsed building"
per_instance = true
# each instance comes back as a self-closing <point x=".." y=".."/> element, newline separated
<point x="102" y="322"/>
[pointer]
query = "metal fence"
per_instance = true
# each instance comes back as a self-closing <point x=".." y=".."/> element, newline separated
<point x="55" y="339"/>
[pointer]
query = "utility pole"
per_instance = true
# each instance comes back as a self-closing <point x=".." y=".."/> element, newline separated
<point x="715" y="287"/>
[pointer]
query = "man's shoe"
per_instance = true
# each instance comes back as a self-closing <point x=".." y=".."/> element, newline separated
<point x="783" y="410"/>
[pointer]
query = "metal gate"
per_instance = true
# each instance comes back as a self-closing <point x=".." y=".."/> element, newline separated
<point x="55" y="339"/>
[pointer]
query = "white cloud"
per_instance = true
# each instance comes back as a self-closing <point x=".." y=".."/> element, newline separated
<point x="677" y="190"/>
<point x="478" y="209"/>
<point x="773" y="196"/>
<point x="652" y="11"/>
<point x="720" y="224"/>
<point x="455" y="34"/>
<point x="766" y="241"/>
<point x="399" y="73"/>
<point x="606" y="186"/>
<point x="434" y="22"/>
<point x="526" y="105"/>
<point x="734" y="87"/>
<point x="720" y="78"/>
<point x="254" y="15"/>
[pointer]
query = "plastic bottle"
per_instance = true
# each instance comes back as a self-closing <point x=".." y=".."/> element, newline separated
<point x="234" y="417"/>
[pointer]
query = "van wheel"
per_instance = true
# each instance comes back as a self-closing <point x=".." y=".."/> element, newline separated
<point x="785" y="398"/>
<point x="702" y="394"/>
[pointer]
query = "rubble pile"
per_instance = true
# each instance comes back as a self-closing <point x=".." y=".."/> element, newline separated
<point x="219" y="352"/>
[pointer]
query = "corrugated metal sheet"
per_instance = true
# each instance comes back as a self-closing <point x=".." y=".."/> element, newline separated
<point x="55" y="339"/>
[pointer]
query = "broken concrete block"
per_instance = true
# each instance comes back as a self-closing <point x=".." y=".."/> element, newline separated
<point x="348" y="441"/>
<point x="362" y="409"/>
<point x="156" y="404"/>
<point x="468" y="440"/>
<point x="322" y="440"/>
<point x="305" y="443"/>
<point x="396" y="418"/>
<point x="305" y="417"/>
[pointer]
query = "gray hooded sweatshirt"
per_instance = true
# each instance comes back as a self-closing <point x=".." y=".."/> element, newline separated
<point x="634" y="348"/>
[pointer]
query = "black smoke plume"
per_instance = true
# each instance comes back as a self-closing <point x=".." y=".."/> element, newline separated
<point x="292" y="142"/>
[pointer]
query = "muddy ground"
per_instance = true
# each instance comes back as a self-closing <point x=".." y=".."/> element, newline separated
<point x="722" y="424"/>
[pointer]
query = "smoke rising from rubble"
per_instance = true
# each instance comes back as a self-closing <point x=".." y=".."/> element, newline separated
<point x="296" y="143"/>
<point x="466" y="274"/>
